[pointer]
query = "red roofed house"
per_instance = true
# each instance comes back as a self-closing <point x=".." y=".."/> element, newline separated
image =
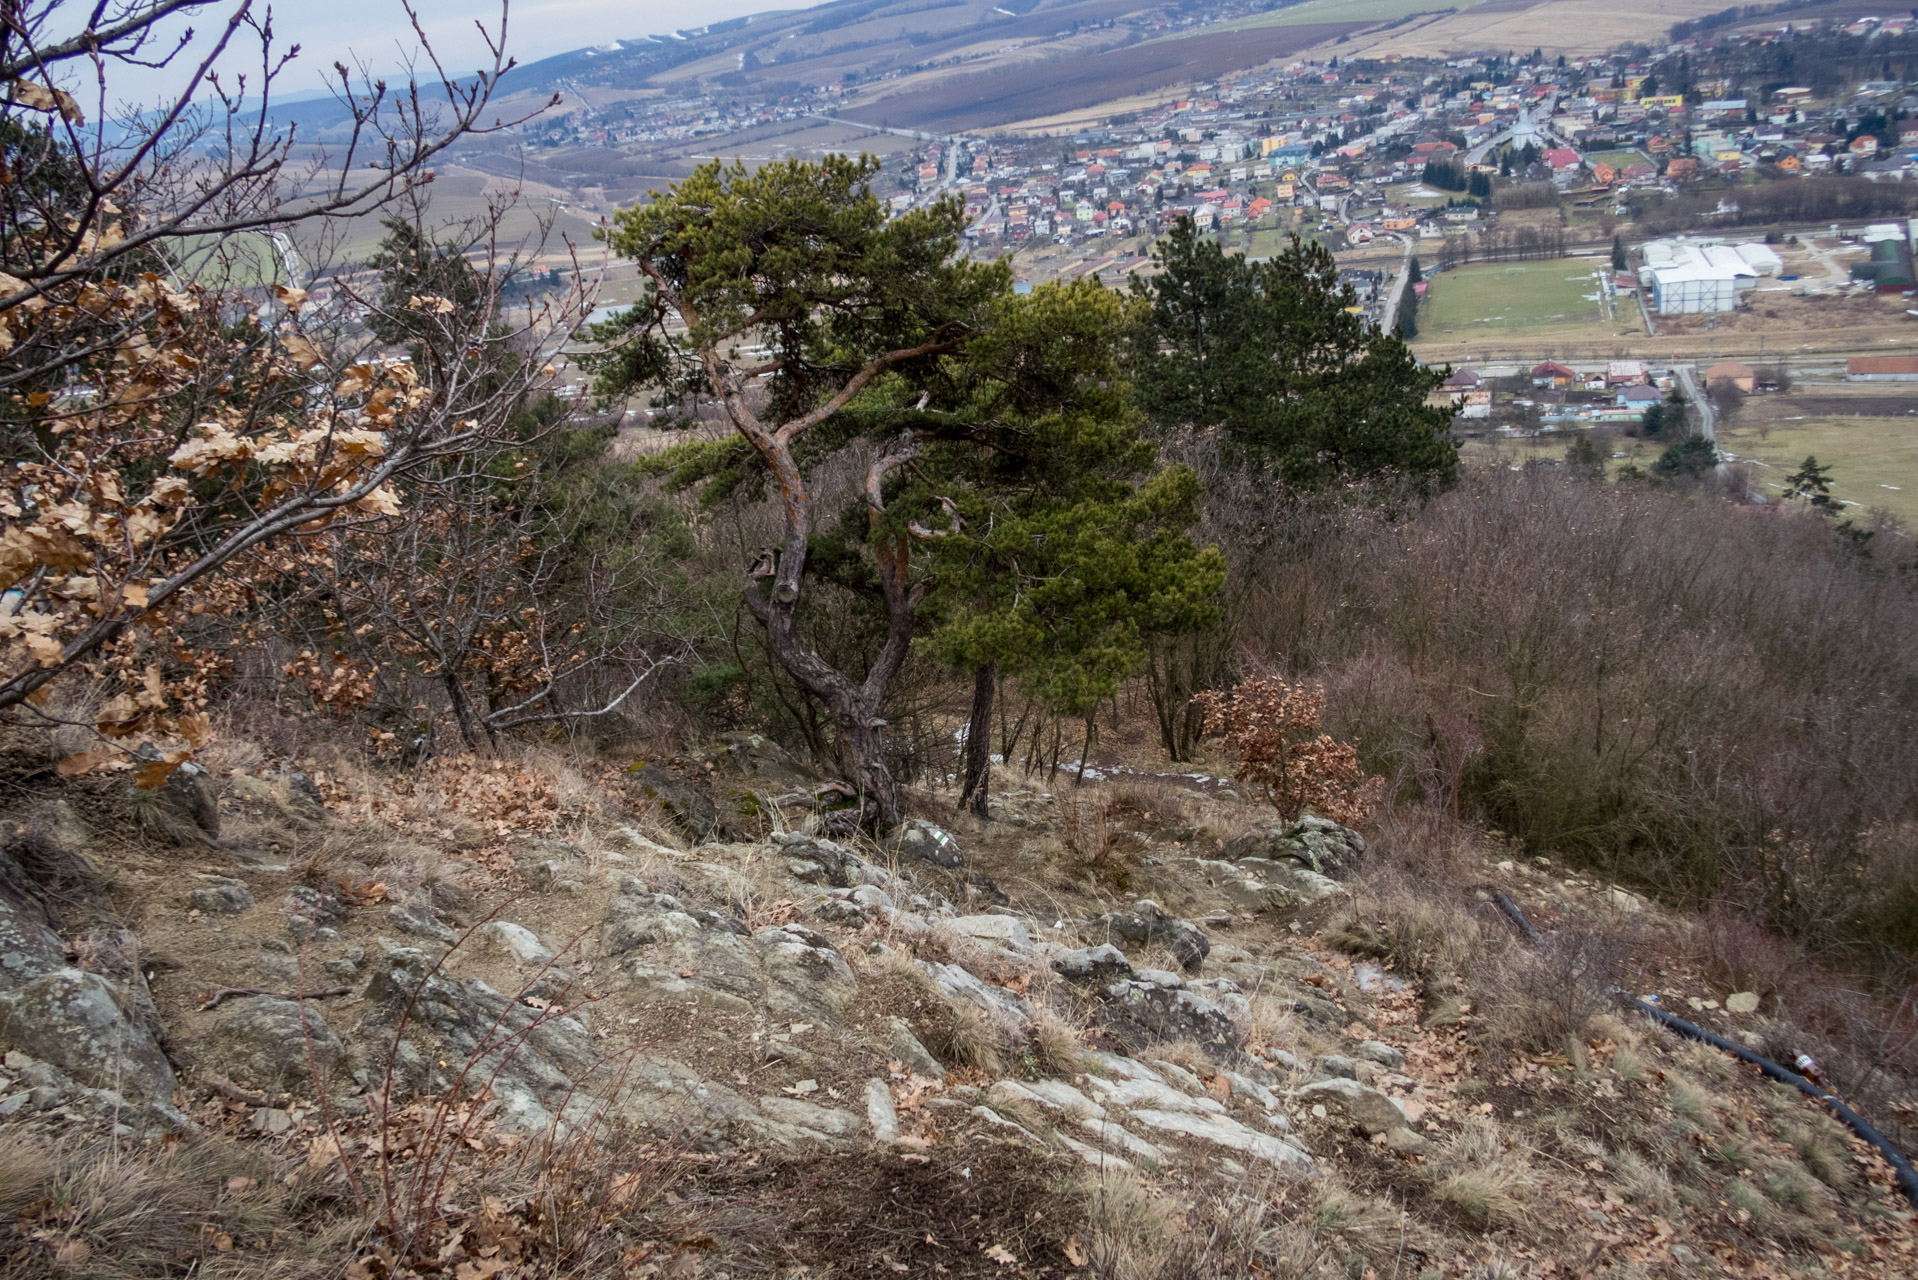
<point x="1561" y="159"/>
<point x="1552" y="374"/>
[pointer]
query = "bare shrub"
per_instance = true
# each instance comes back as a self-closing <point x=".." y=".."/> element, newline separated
<point x="1744" y="956"/>
<point x="1536" y="999"/>
<point x="1686" y="693"/>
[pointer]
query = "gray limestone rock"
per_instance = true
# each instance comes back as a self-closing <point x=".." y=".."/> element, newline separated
<point x="1092" y="964"/>
<point x="1223" y="1131"/>
<point x="284" y="791"/>
<point x="531" y="1059"/>
<point x="826" y="1123"/>
<point x="1318" y="844"/>
<point x="806" y="977"/>
<point x="227" y="897"/>
<point x="419" y="921"/>
<point x="189" y="793"/>
<point x="759" y="757"/>
<point x="310" y="912"/>
<point x="679" y="801"/>
<point x="82" y="1024"/>
<point x="1006" y="931"/>
<point x="956" y="983"/>
<point x="910" y="1053"/>
<point x="513" y="942"/>
<point x="836" y="865"/>
<point x="636" y="918"/>
<point x="1148" y="922"/>
<point x="1378" y="1051"/>
<point x="881" y="1114"/>
<point x="917" y="840"/>
<point x="719" y="967"/>
<point x="28" y="949"/>
<point x="274" y="1044"/>
<point x="1371" y="1110"/>
<point x="1140" y="1012"/>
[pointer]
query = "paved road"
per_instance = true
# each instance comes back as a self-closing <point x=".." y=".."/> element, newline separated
<point x="1707" y="412"/>
<point x="1389" y="317"/>
<point x="1477" y="154"/>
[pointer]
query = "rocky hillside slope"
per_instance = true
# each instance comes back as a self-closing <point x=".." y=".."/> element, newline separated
<point x="291" y="1016"/>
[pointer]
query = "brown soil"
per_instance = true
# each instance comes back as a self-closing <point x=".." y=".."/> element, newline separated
<point x="1026" y="91"/>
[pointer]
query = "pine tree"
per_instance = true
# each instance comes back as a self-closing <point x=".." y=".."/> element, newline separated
<point x="1618" y="253"/>
<point x="1269" y="354"/>
<point x="1812" y="484"/>
<point x="1057" y="548"/>
<point x="851" y="304"/>
<point x="1688" y="459"/>
<point x="1407" y="324"/>
<point x="1585" y="459"/>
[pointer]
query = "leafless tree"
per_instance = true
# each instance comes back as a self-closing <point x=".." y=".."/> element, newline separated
<point x="168" y="428"/>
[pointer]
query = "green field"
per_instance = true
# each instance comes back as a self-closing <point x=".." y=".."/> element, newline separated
<point x="1547" y="298"/>
<point x="1874" y="461"/>
<point x="1417" y="194"/>
<point x="1618" y="159"/>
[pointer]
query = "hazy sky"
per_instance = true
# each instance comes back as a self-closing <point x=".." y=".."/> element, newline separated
<point x="378" y="32"/>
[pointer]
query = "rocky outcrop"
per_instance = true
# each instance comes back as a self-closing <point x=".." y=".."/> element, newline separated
<point x="737" y="997"/>
<point x="1369" y="1109"/>
<point x="916" y="840"/>
<point x="819" y="861"/>
<point x="755" y="756"/>
<point x="681" y="803"/>
<point x="94" y="1031"/>
<point x="222" y="897"/>
<point x="531" y="1059"/>
<point x="284" y="792"/>
<point x="1092" y="964"/>
<point x="192" y="798"/>
<point x="1148" y="922"/>
<point x="1317" y="844"/>
<point x="1153" y="1006"/>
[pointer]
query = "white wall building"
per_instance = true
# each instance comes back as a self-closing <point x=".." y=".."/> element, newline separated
<point x="1688" y="289"/>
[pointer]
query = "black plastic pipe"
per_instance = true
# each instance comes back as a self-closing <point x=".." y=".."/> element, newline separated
<point x="1518" y="917"/>
<point x="1907" y="1176"/>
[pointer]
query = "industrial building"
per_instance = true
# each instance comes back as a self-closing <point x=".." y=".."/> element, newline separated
<point x="1687" y="277"/>
<point x="1890" y="268"/>
<point x="1882" y="369"/>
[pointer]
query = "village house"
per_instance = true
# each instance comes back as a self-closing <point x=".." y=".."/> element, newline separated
<point x="1552" y="374"/>
<point x="1731" y="373"/>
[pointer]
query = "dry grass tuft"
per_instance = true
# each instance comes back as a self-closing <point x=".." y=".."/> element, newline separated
<point x="1053" y="1048"/>
<point x="209" y="1208"/>
<point x="1482" y="1180"/>
<point x="964" y="1037"/>
<point x="1645" y="1183"/>
<point x="1132" y="1230"/>
<point x="1693" y="1102"/>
